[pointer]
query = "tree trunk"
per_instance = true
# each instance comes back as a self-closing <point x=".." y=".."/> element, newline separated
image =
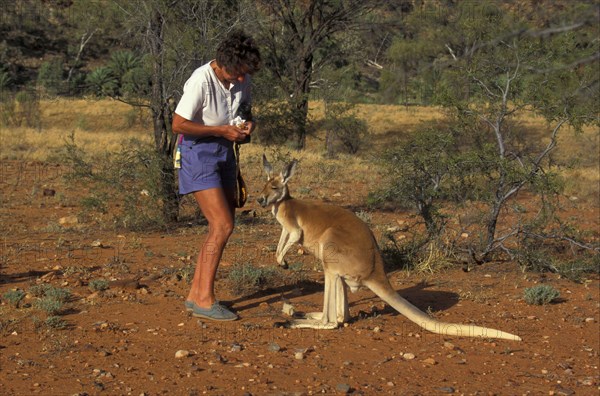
<point x="164" y="140"/>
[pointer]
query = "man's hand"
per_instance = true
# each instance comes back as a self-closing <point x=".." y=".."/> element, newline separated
<point x="234" y="134"/>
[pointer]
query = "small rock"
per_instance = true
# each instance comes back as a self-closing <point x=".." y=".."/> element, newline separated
<point x="464" y="235"/>
<point x="97" y="243"/>
<point x="299" y="355"/>
<point x="446" y="389"/>
<point x="430" y="361"/>
<point x="288" y="309"/>
<point x="449" y="345"/>
<point x="182" y="353"/>
<point x="394" y="229"/>
<point x="409" y="356"/>
<point x="236" y="347"/>
<point x="590" y="320"/>
<point x="342" y="388"/>
<point x="274" y="347"/>
<point x="377" y="329"/>
<point x="390" y="384"/>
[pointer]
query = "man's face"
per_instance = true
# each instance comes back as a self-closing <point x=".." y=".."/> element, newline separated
<point x="235" y="75"/>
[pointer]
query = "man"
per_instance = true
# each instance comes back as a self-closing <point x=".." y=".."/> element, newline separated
<point x="211" y="100"/>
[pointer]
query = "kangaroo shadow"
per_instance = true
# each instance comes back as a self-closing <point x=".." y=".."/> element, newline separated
<point x="425" y="300"/>
<point x="276" y="294"/>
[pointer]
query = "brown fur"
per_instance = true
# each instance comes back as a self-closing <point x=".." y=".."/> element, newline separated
<point x="350" y="256"/>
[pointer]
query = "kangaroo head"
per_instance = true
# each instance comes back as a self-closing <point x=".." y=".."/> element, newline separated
<point x="276" y="189"/>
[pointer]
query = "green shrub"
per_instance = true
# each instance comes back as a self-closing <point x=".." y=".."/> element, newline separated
<point x="50" y="76"/>
<point x="58" y="294"/>
<point x="55" y="322"/>
<point x="540" y="295"/>
<point x="14" y="297"/>
<point x="345" y="131"/>
<point x="50" y="305"/>
<point x="131" y="176"/>
<point x="98" y="285"/>
<point x="51" y="299"/>
<point x="247" y="279"/>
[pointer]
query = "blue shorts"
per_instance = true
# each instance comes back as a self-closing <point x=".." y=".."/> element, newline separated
<point x="206" y="163"/>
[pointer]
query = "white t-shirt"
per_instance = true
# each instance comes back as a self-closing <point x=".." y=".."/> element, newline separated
<point x="206" y="101"/>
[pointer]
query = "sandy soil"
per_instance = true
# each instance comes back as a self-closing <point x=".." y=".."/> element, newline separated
<point x="124" y="340"/>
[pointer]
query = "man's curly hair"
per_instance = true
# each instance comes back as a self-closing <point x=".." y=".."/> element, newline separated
<point x="238" y="51"/>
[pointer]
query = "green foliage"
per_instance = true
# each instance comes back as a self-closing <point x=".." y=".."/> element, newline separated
<point x="246" y="278"/>
<point x="278" y="120"/>
<point x="130" y="176"/>
<point x="5" y="81"/>
<point x="55" y="322"/>
<point x="50" y="76"/>
<point x="102" y="82"/>
<point x="540" y="295"/>
<point x="420" y="172"/>
<point x="49" y="305"/>
<point x="14" y="297"/>
<point x="126" y="74"/>
<point x="345" y="131"/>
<point x="98" y="285"/>
<point x="21" y="109"/>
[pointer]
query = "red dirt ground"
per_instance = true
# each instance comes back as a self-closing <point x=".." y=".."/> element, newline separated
<point x="123" y="341"/>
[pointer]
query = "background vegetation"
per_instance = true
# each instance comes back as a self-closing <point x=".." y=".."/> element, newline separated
<point x="511" y="83"/>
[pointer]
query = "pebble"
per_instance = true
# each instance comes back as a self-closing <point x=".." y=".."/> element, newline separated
<point x="409" y="356"/>
<point x="430" y="361"/>
<point x="288" y="309"/>
<point x="182" y="353"/>
<point x="299" y="355"/>
<point x="449" y="345"/>
<point x="377" y="329"/>
<point x="274" y="347"/>
<point x="342" y="388"/>
<point x="590" y="320"/>
<point x="446" y="389"/>
<point x="236" y="348"/>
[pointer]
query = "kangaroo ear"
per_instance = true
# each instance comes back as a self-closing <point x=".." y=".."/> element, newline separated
<point x="268" y="167"/>
<point x="289" y="171"/>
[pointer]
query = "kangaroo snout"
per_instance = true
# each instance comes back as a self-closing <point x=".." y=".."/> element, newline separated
<point x="262" y="201"/>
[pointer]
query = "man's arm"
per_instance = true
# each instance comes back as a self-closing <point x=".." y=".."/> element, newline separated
<point x="187" y="127"/>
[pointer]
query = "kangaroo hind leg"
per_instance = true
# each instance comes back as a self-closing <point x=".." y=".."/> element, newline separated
<point x="335" y="307"/>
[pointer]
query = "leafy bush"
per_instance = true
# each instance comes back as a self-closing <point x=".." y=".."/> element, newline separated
<point x="50" y="76"/>
<point x="421" y="172"/>
<point x="14" y="297"/>
<point x="130" y="176"/>
<point x="98" y="285"/>
<point x="345" y="131"/>
<point x="22" y="109"/>
<point x="5" y="80"/>
<point x="49" y="305"/>
<point x="51" y="299"/>
<point x="102" y="82"/>
<point x="55" y="322"/>
<point x="540" y="295"/>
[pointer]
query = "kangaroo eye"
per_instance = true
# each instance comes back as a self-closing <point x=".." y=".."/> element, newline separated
<point x="274" y="188"/>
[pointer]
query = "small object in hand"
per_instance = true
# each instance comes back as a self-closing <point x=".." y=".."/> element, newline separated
<point x="239" y="122"/>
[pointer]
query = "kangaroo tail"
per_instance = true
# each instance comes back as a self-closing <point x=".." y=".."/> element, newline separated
<point x="414" y="314"/>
